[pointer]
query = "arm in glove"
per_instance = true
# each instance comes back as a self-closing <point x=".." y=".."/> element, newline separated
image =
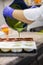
<point x="26" y="15"/>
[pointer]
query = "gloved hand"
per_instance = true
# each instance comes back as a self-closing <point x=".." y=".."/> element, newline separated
<point x="34" y="6"/>
<point x="7" y="12"/>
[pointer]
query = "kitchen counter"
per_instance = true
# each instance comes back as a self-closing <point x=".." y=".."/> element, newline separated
<point x="38" y="37"/>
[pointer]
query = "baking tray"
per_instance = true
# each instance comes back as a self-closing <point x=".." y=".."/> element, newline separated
<point x="9" y="53"/>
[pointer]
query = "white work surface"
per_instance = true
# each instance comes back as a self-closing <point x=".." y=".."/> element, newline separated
<point x="38" y="37"/>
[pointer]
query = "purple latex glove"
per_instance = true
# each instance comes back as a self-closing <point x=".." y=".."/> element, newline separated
<point x="34" y="6"/>
<point x="7" y="12"/>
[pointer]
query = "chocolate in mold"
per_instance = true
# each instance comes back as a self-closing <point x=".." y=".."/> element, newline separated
<point x="16" y="39"/>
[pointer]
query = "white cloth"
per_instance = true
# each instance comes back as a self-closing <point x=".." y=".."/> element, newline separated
<point x="33" y="14"/>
